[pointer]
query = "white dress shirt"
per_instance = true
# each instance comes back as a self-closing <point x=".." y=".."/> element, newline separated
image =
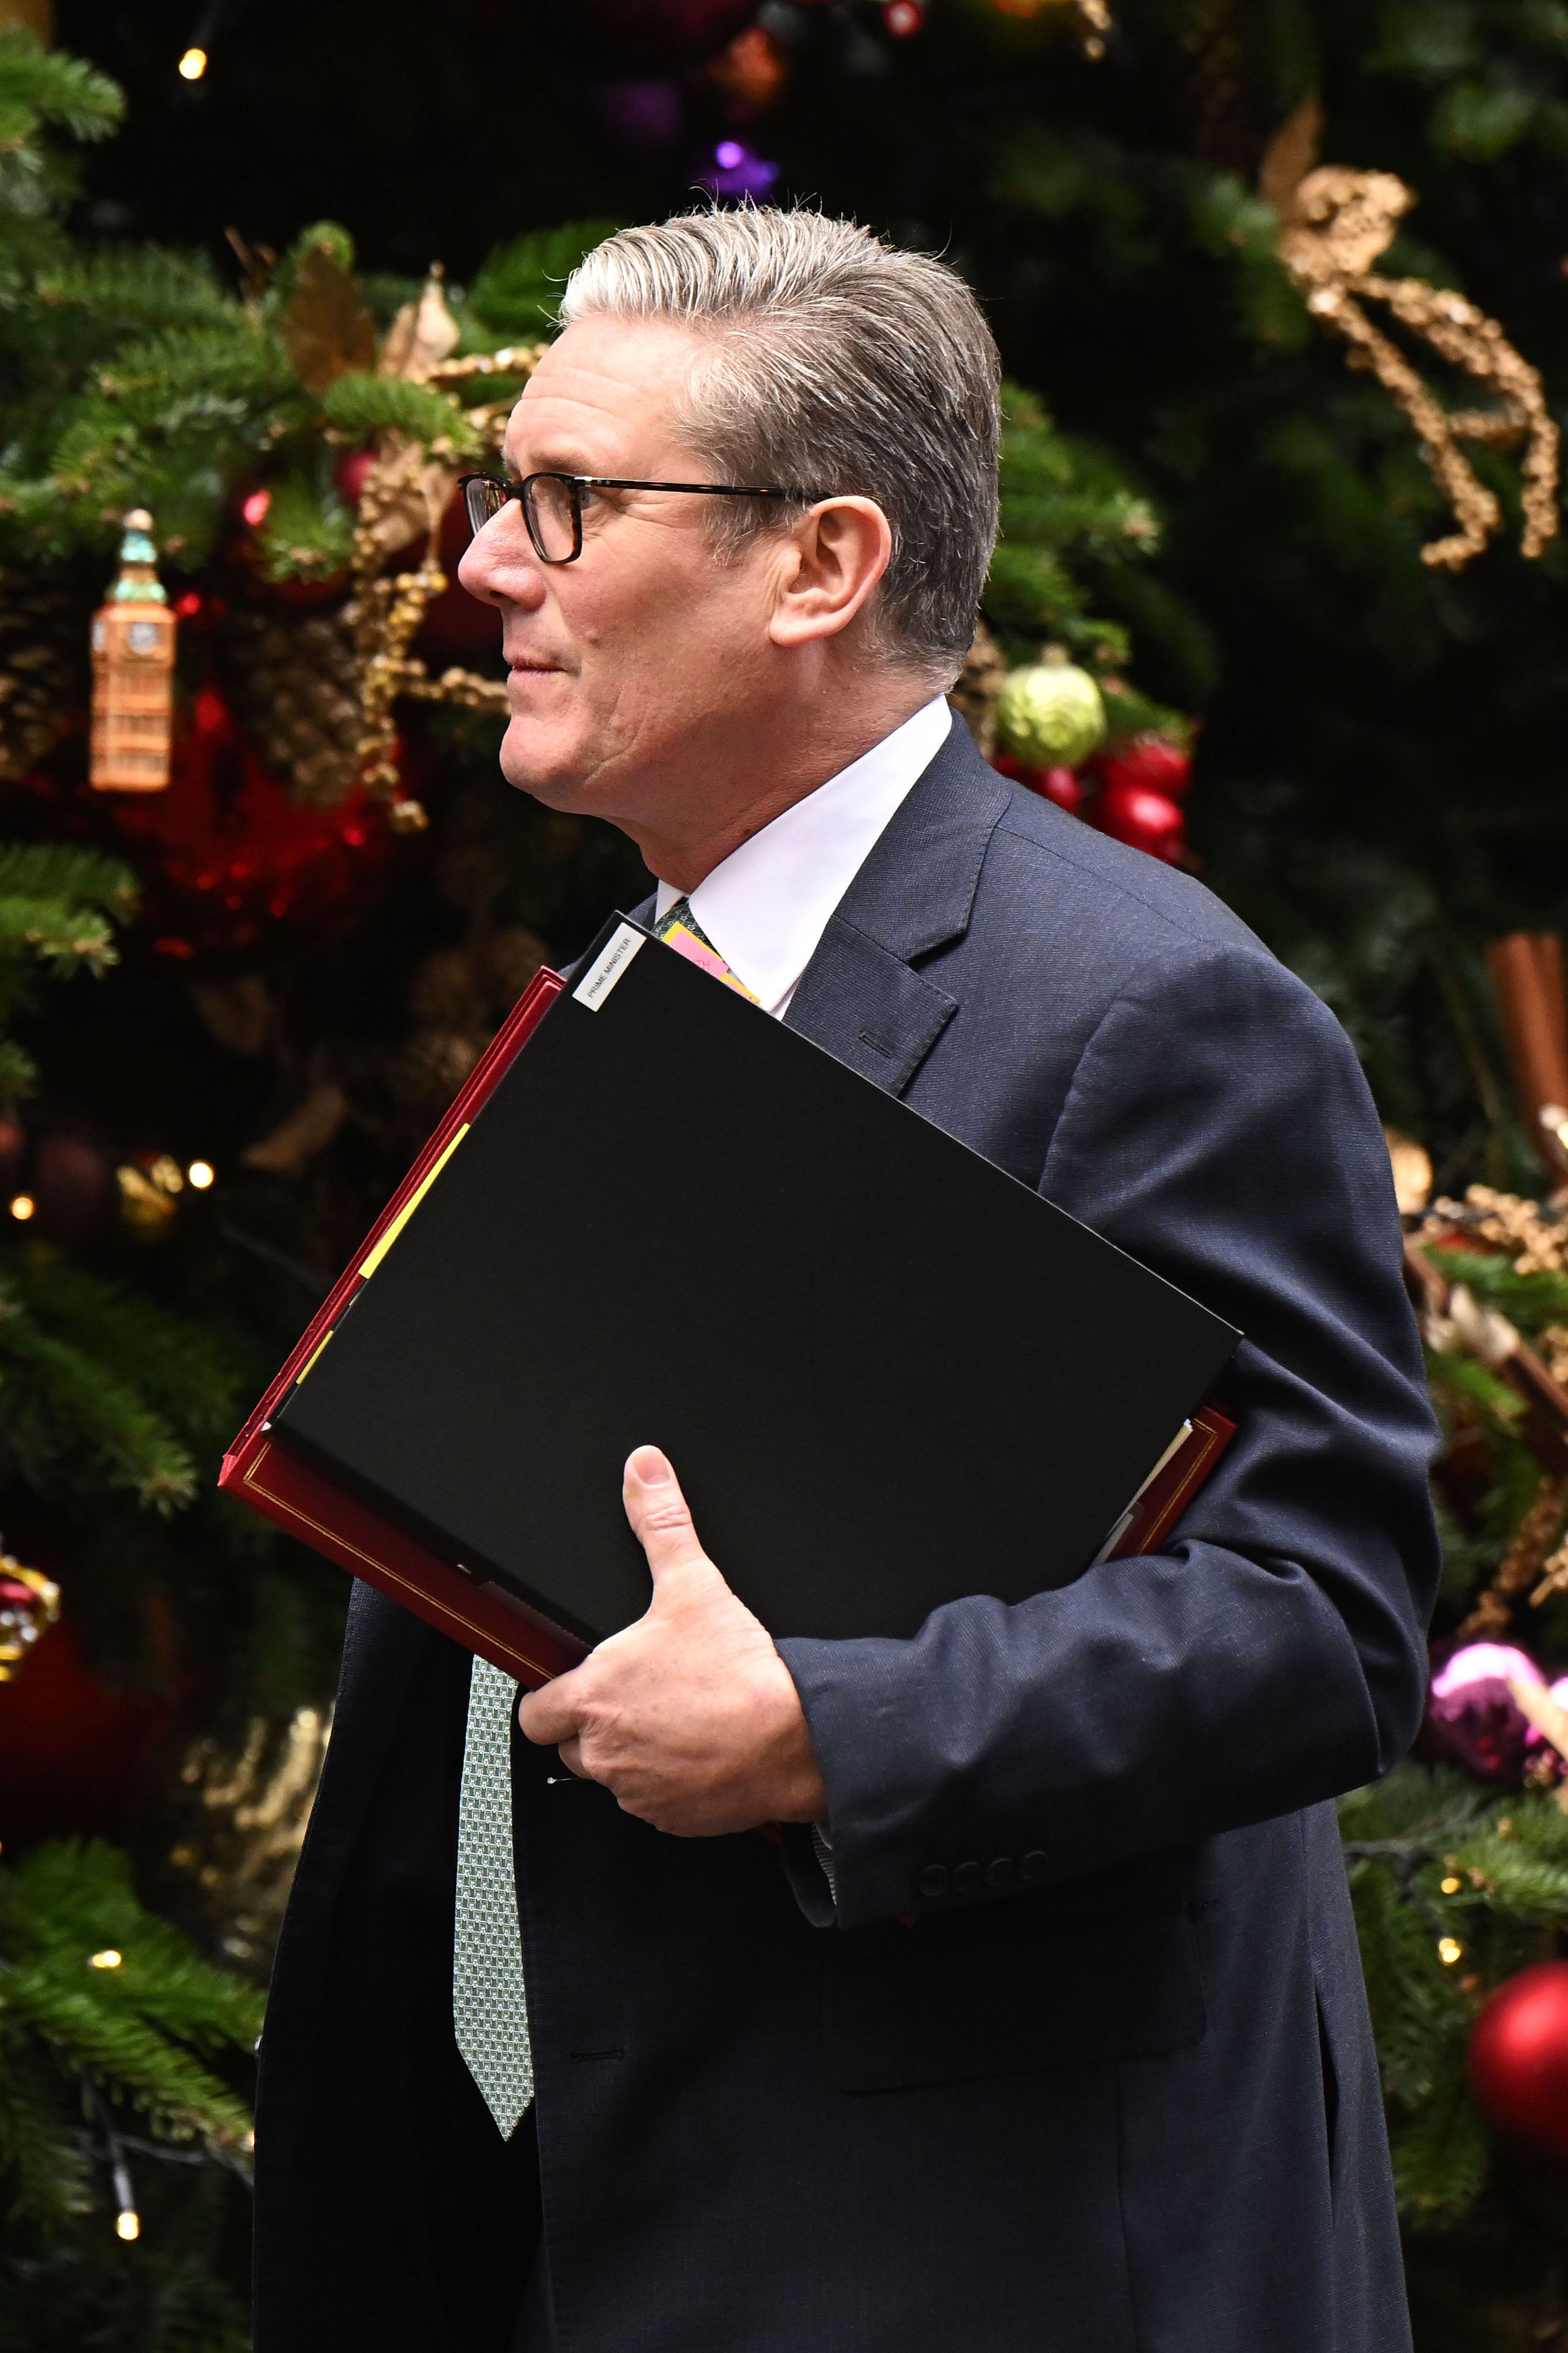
<point x="766" y="906"/>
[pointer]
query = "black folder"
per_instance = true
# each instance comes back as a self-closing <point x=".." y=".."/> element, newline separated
<point x="887" y="1373"/>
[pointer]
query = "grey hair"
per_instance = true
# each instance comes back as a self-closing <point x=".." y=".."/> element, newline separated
<point x="839" y="365"/>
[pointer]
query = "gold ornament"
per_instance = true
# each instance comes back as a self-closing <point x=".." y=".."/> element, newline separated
<point x="133" y="671"/>
<point x="326" y="327"/>
<point x="30" y="1606"/>
<point x="407" y="493"/>
<point x="1335" y="223"/>
<point x="423" y="335"/>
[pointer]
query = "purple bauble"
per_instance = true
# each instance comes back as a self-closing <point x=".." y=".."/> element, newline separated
<point x="1472" y="1718"/>
<point x="737" y="170"/>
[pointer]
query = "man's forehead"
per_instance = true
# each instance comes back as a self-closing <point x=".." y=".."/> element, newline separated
<point x="605" y="384"/>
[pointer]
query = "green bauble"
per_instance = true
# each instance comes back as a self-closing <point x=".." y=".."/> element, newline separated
<point x="1050" y="716"/>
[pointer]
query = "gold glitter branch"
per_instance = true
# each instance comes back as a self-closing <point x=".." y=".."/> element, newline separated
<point x="404" y="495"/>
<point x="1335" y="224"/>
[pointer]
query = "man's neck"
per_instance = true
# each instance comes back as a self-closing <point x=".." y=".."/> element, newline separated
<point x="823" y="749"/>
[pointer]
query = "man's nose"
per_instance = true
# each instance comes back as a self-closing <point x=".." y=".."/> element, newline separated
<point x="499" y="565"/>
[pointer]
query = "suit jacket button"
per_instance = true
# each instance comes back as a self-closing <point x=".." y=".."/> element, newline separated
<point x="933" y="1880"/>
<point x="966" y="1878"/>
<point x="1034" y="1865"/>
<point x="1001" y="1874"/>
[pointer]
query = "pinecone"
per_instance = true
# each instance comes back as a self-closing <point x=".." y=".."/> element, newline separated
<point x="44" y="678"/>
<point x="294" y="687"/>
<point x="974" y="692"/>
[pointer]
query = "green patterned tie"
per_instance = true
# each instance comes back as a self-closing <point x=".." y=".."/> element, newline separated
<point x="489" y="2003"/>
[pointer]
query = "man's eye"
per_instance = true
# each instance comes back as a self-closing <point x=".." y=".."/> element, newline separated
<point x="588" y="497"/>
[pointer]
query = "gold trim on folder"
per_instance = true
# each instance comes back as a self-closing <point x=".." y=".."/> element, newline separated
<point x="316" y="1352"/>
<point x="375" y="1256"/>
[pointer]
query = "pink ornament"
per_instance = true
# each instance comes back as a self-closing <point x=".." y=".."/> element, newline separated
<point x="1472" y="1717"/>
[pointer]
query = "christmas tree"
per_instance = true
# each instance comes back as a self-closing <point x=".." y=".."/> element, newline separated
<point x="1214" y="563"/>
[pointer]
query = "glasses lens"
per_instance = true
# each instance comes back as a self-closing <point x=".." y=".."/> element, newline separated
<point x="553" y="517"/>
<point x="484" y="500"/>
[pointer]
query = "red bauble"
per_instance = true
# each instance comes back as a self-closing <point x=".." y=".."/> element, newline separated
<point x="1518" y="2059"/>
<point x="1143" y="820"/>
<point x="1063" y="785"/>
<point x="227" y="860"/>
<point x="456" y="627"/>
<point x="71" y="1750"/>
<point x="1151" y="765"/>
<point x="349" y="472"/>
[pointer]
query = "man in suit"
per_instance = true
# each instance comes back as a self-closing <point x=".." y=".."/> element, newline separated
<point x="1039" y="2028"/>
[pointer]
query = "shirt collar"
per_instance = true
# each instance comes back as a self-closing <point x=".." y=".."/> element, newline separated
<point x="766" y="906"/>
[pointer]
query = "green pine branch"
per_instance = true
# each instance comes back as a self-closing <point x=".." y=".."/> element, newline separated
<point x="361" y="406"/>
<point x="60" y="1408"/>
<point x="39" y="85"/>
<point x="136" y="2029"/>
<point x="516" y="291"/>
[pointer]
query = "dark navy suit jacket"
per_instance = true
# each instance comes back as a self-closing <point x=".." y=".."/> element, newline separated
<point x="1131" y="2108"/>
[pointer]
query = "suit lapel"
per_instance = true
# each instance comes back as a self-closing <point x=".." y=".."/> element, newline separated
<point x="859" y="996"/>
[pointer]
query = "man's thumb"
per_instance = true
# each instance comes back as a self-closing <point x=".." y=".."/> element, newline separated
<point x="660" y="1520"/>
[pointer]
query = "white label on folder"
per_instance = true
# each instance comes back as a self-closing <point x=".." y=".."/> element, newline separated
<point x="607" y="967"/>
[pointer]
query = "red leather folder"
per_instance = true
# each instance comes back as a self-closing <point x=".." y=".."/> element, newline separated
<point x="298" y="1499"/>
<point x="486" y="1619"/>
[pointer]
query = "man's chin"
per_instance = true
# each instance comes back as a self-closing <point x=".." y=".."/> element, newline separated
<point x="538" y="761"/>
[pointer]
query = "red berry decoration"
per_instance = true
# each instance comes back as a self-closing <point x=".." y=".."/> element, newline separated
<point x="1151" y="764"/>
<point x="1518" y="2059"/>
<point x="1143" y="820"/>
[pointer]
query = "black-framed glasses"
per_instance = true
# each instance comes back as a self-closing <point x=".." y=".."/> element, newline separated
<point x="552" y="503"/>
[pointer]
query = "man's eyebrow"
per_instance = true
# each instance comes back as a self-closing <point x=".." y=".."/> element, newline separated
<point x="572" y="463"/>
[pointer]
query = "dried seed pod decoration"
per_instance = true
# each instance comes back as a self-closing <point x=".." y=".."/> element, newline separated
<point x="133" y="671"/>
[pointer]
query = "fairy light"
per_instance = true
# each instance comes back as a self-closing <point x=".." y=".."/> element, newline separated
<point x="1450" y="1885"/>
<point x="193" y="65"/>
<point x="22" y="1206"/>
<point x="128" y="2223"/>
<point x="1449" y="1950"/>
<point x="199" y="1175"/>
<point x="107" y="1959"/>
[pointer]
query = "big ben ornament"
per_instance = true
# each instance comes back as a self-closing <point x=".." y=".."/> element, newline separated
<point x="133" y="671"/>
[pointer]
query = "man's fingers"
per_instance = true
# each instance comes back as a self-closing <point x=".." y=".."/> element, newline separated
<point x="550" y="1715"/>
<point x="660" y="1520"/>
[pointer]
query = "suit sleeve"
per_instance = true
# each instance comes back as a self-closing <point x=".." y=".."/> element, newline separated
<point x="1217" y="1127"/>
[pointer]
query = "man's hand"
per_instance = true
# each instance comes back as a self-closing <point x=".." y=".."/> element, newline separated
<point x="689" y="1718"/>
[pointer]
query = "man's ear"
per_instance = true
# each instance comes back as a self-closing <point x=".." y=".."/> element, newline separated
<point x="831" y="560"/>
